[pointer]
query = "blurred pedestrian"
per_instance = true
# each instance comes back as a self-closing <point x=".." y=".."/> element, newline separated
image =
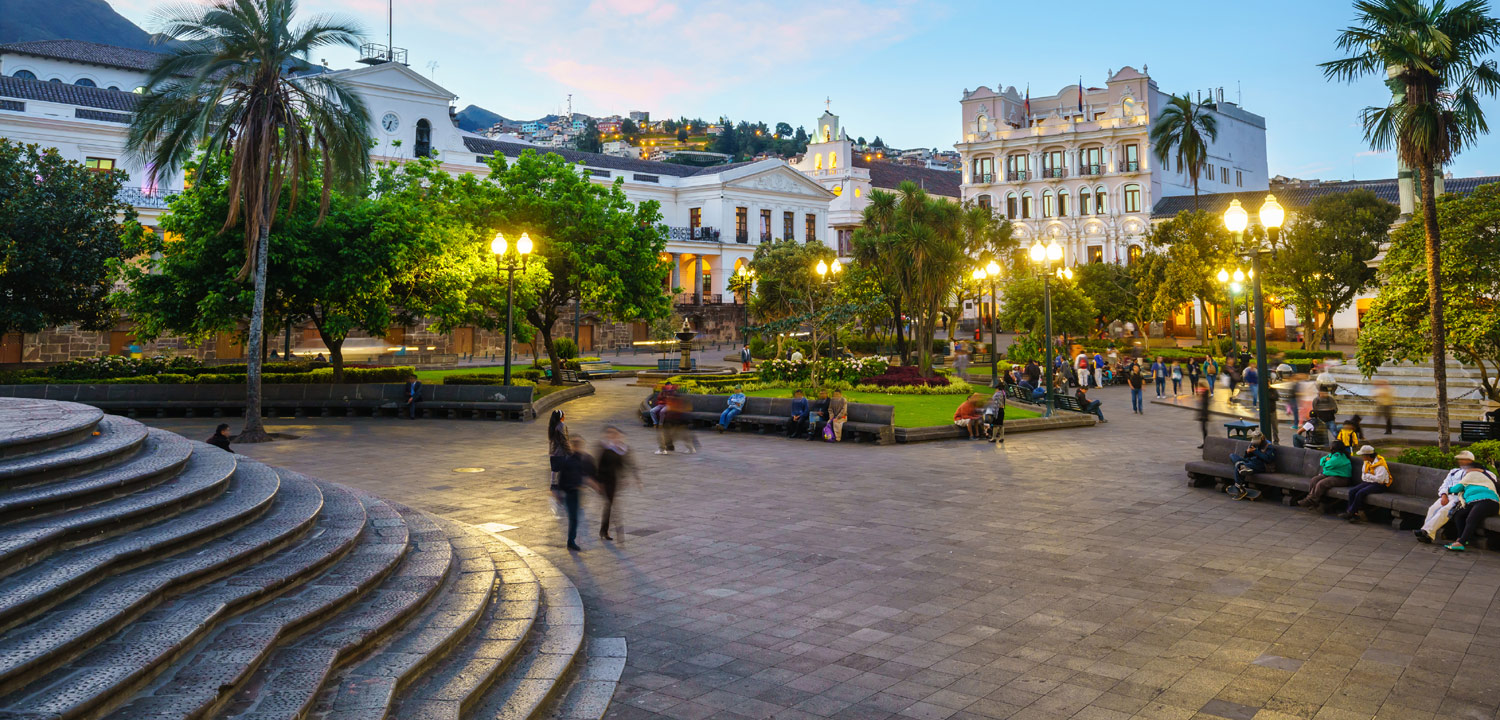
<point x="413" y="396"/>
<point x="557" y="445"/>
<point x="577" y="468"/>
<point x="1385" y="403"/>
<point x="613" y="465"/>
<point x="1137" y="383"/>
<point x="1205" y="394"/>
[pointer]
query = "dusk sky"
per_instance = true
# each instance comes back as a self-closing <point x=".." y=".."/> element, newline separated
<point x="893" y="68"/>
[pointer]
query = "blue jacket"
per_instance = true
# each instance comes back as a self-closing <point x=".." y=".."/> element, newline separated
<point x="737" y="401"/>
<point x="799" y="407"/>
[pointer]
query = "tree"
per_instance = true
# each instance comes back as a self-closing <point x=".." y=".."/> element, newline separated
<point x="783" y="284"/>
<point x="727" y="141"/>
<point x="1432" y="57"/>
<point x="669" y="125"/>
<point x="800" y="137"/>
<point x="877" y="142"/>
<point x="1397" y="325"/>
<point x="860" y="141"/>
<point x="1321" y="264"/>
<point x="682" y="135"/>
<point x="1148" y="273"/>
<point x="628" y="128"/>
<point x="1023" y="307"/>
<point x="242" y="55"/>
<point x="1196" y="245"/>
<point x="1184" y="129"/>
<point x="783" y="130"/>
<point x="58" y="240"/>
<point x="589" y="140"/>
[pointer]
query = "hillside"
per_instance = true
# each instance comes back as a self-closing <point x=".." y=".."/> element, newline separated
<point x="89" y="20"/>
<point x="474" y="119"/>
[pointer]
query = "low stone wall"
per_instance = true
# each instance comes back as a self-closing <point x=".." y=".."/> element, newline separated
<point x="544" y="404"/>
<point x="1059" y="421"/>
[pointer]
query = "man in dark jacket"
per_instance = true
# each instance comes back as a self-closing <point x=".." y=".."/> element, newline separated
<point x="797" y="421"/>
<point x="413" y="396"/>
<point x="1257" y="458"/>
<point x="220" y="438"/>
<point x="577" y="468"/>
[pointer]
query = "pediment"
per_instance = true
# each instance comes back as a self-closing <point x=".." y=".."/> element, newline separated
<point x="398" y="77"/>
<point x="782" y="179"/>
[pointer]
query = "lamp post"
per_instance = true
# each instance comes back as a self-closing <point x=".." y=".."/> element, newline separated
<point x="828" y="275"/>
<point x="991" y="272"/>
<point x="1044" y="256"/>
<point x="510" y="260"/>
<point x="1272" y="215"/>
<point x="746" y="279"/>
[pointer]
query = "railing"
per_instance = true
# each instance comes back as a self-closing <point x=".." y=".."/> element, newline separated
<point x="1013" y="175"/>
<point x="1130" y="166"/>
<point x="1052" y="173"/>
<point x="143" y="198"/>
<point x="765" y="237"/>
<point x="983" y="178"/>
<point x="742" y="236"/>
<point x="693" y="234"/>
<point x="1090" y="169"/>
<point x="688" y="298"/>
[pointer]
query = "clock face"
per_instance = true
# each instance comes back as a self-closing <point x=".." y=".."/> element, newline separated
<point x="390" y="122"/>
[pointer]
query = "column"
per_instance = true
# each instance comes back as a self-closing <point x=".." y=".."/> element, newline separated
<point x="676" y="271"/>
<point x="698" y="279"/>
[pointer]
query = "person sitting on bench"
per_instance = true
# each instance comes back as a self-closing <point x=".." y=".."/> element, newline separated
<point x="1374" y="476"/>
<point x="1336" y="472"/>
<point x="969" y="417"/>
<point x="1304" y="433"/>
<point x="1088" y="405"/>
<point x="1442" y="508"/>
<point x="1258" y="458"/>
<point x="1480" y="502"/>
<point x="797" y="420"/>
<point x="732" y="409"/>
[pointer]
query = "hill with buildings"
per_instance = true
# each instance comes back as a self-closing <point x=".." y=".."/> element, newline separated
<point x="88" y="20"/>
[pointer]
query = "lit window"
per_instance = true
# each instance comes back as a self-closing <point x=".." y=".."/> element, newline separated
<point x="833" y="161"/>
<point x="1132" y="198"/>
<point x="1133" y="255"/>
<point x="1101" y="198"/>
<point x="1047" y="208"/>
<point x="984" y="124"/>
<point x="1062" y="203"/>
<point x="984" y="201"/>
<point x="99" y="164"/>
<point x="1096" y="253"/>
<point x="818" y="161"/>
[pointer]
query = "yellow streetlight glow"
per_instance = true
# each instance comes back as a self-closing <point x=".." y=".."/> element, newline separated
<point x="978" y="273"/>
<point x="1223" y="275"/>
<point x="1271" y="213"/>
<point x="498" y="245"/>
<point x="993" y="269"/>
<point x="1235" y="218"/>
<point x="1054" y="251"/>
<point x="1239" y="275"/>
<point x="1038" y="252"/>
<point x="1235" y="287"/>
<point x="836" y="268"/>
<point x="822" y="268"/>
<point x="524" y="246"/>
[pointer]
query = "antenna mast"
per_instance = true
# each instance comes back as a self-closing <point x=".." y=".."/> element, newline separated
<point x="390" y="30"/>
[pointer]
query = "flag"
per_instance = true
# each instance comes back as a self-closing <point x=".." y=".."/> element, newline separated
<point x="1080" y="94"/>
<point x="1028" y="105"/>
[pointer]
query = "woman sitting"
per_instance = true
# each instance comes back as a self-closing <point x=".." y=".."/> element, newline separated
<point x="968" y="417"/>
<point x="1335" y="473"/>
<point x="1374" y="476"/>
<point x="1480" y="502"/>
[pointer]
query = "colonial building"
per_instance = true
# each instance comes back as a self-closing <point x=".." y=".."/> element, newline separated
<point x="835" y="163"/>
<point x="1076" y="167"/>
<point x="78" y="97"/>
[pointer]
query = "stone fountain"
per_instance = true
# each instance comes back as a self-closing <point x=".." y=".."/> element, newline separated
<point x="685" y="344"/>
<point x="1415" y="392"/>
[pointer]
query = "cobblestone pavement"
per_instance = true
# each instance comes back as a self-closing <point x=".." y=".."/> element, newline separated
<point x="1072" y="574"/>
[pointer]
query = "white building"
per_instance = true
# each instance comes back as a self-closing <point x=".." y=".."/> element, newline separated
<point x="1078" y="167"/>
<point x="716" y="215"/>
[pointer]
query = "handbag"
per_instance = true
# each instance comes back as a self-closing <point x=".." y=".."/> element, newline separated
<point x="828" y="433"/>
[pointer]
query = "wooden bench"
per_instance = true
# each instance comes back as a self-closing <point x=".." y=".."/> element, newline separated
<point x="1413" y="488"/>
<point x="1070" y="403"/>
<point x="1478" y="430"/>
<point x="877" y="422"/>
<point x="568" y="374"/>
<point x="596" y="370"/>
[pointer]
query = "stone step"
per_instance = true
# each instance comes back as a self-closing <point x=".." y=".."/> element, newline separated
<point x="457" y="685"/>
<point x="287" y="683"/>
<point x="29" y="425"/>
<point x="117" y="438"/>
<point x="162" y="455"/>
<point x="204" y="477"/>
<point x="591" y="683"/>
<point x="368" y="690"/>
<point x="113" y="670"/>
<point x="210" y="673"/>
<point x="548" y="654"/>
<point x="257" y="515"/>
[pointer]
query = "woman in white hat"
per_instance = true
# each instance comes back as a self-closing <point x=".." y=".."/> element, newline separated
<point x="1480" y="502"/>
<point x="1374" y="476"/>
<point x="1447" y="502"/>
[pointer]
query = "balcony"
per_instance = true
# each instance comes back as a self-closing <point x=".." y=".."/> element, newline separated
<point x="693" y="234"/>
<point x="688" y="298"/>
<point x="146" y="197"/>
<point x="765" y="237"/>
<point x="1014" y="175"/>
<point x="984" y="178"/>
<point x="375" y="54"/>
<point x="1130" y="166"/>
<point x="1088" y="170"/>
<point x="1056" y="173"/>
<point x="742" y="237"/>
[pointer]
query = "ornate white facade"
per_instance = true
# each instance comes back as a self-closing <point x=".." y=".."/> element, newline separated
<point x="1078" y="168"/>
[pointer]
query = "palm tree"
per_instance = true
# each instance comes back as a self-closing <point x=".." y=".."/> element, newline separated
<point x="230" y="84"/>
<point x="1433" y="59"/>
<point x="1186" y="128"/>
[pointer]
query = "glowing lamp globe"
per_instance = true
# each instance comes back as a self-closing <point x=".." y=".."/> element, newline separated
<point x="498" y="245"/>
<point x="992" y="269"/>
<point x="1235" y="218"/>
<point x="1271" y="213"/>
<point x="524" y="246"/>
<point x="1223" y="275"/>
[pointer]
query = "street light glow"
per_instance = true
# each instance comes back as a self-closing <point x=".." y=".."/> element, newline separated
<point x="1271" y="213"/>
<point x="1235" y="218"/>
<point x="1054" y="251"/>
<point x="822" y="268"/>
<point x="978" y="273"/>
<point x="498" y="245"/>
<point x="524" y="246"/>
<point x="836" y="268"/>
<point x="1239" y="275"/>
<point x="1223" y="275"/>
<point x="993" y="269"/>
<point x="1038" y="252"/>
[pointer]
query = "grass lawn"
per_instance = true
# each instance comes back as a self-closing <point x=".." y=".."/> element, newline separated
<point x="912" y="410"/>
<point x="433" y="377"/>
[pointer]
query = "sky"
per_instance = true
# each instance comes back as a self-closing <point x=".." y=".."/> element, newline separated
<point x="893" y="68"/>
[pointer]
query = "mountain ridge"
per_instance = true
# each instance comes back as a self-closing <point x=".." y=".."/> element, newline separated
<point x="87" y="20"/>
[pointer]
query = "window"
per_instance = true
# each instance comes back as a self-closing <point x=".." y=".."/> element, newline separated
<point x="984" y="124"/>
<point x="1132" y="254"/>
<point x="833" y="161"/>
<point x="1208" y="172"/>
<point x="765" y="225"/>
<point x="24" y="75"/>
<point x="1047" y="205"/>
<point x="741" y="224"/>
<point x="811" y="228"/>
<point x="424" y="138"/>
<point x="1052" y="164"/>
<point x="645" y="178"/>
<point x="1239" y="178"/>
<point x="1062" y="203"/>
<point x="1132" y="162"/>
<point x="1026" y="205"/>
<point x="1224" y="175"/>
<point x="56" y="80"/>
<point x="983" y="170"/>
<point x="114" y="88"/>
<point x="984" y="201"/>
<point x="1091" y="161"/>
<point x="1101" y="204"/>
<point x="1096" y="253"/>
<point x="695" y="218"/>
<point x="84" y="82"/>
<point x="1132" y="198"/>
<point x="99" y="164"/>
<point x="1016" y="167"/>
<point x="818" y="161"/>
<point x="1010" y="206"/>
<point x="1084" y="197"/>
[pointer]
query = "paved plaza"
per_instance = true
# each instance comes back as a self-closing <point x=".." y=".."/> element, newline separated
<point x="1072" y="574"/>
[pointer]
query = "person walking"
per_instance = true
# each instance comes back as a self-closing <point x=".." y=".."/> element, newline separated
<point x="1159" y="374"/>
<point x="1480" y="503"/>
<point x="745" y="359"/>
<point x="960" y="361"/>
<point x="1082" y="364"/>
<point x="1192" y="375"/>
<point x="660" y="400"/>
<point x="576" y="469"/>
<point x="1385" y="403"/>
<point x="994" y="415"/>
<point x="1374" y="478"/>
<point x="1252" y="381"/>
<point x="1176" y="378"/>
<point x="220" y="438"/>
<point x="796" y="425"/>
<point x="557" y="444"/>
<point x="413" y="396"/>
<point x="1441" y="509"/>
<point x="614" y="462"/>
<point x="1205" y="395"/>
<point x="1137" y="383"/>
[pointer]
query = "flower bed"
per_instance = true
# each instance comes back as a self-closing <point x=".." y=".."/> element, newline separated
<point x="840" y="370"/>
<point x="906" y="376"/>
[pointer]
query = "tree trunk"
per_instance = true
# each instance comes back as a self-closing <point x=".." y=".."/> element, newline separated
<point x="254" y="430"/>
<point x="335" y="354"/>
<point x="546" y="332"/>
<point x="900" y="331"/>
<point x="1435" y="304"/>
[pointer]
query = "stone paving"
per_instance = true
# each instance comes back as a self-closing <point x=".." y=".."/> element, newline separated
<point x="1071" y="574"/>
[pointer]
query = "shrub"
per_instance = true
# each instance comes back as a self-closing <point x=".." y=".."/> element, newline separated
<point x="1311" y="354"/>
<point x="956" y="387"/>
<point x="905" y="375"/>
<point x="565" y="348"/>
<point x="119" y="366"/>
<point x="1432" y="457"/>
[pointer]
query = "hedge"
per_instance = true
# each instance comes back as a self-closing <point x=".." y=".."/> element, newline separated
<point x="1486" y="452"/>
<point x="516" y="380"/>
<point x="320" y="376"/>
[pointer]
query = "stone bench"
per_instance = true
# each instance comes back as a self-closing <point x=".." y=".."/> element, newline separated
<point x="1413" y="487"/>
<point x="761" y="413"/>
<point x="298" y="399"/>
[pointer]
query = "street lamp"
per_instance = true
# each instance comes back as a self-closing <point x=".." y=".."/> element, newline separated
<point x="992" y="271"/>
<point x="1272" y="215"/>
<point x="510" y="261"/>
<point x="747" y="278"/>
<point x="1044" y="256"/>
<point x="828" y="275"/>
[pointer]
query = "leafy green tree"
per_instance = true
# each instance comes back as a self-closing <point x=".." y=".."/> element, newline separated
<point x="242" y="55"/>
<point x="59" y="239"/>
<point x="1023" y="307"/>
<point x="682" y="135"/>
<point x="589" y="140"/>
<point x="861" y="140"/>
<point x="783" y="130"/>
<point x="1321" y="264"/>
<point x="800" y="137"/>
<point x="877" y="142"/>
<point x="1196" y="246"/>
<point x="1147" y="274"/>
<point x="1184" y="129"/>
<point x="1396" y="326"/>
<point x="669" y="125"/>
<point x="784" y="288"/>
<point x="628" y="128"/>
<point x="1433" y="60"/>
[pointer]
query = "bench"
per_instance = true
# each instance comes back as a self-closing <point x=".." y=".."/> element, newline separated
<point x="674" y="364"/>
<point x="1413" y="488"/>
<point x="876" y="422"/>
<point x="1477" y="430"/>
<point x="568" y="374"/>
<point x="596" y="370"/>
<point x="1068" y="402"/>
<point x="1240" y="429"/>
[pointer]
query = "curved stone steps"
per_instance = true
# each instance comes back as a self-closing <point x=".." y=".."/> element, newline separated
<point x="111" y="439"/>
<point x="33" y="425"/>
<point x="455" y="686"/>
<point x="112" y="671"/>
<point x="204" y="478"/>
<point x="208" y="677"/>
<point x="591" y="683"/>
<point x="257" y="515"/>
<point x="368" y="690"/>
<point x="548" y="654"/>
<point x="287" y="683"/>
<point x="160" y="455"/>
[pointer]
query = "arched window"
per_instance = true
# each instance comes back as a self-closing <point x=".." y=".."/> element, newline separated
<point x="1084" y="200"/>
<point x="424" y="138"/>
<point x="833" y="161"/>
<point x="984" y="124"/>
<point x="1010" y="206"/>
<point x="1131" y="198"/>
<point x="984" y="201"/>
<point x="56" y="80"/>
<point x="1101" y="201"/>
<point x="818" y="161"/>
<point x="826" y="134"/>
<point x="84" y="82"/>
<point x="24" y="75"/>
<point x="1062" y="203"/>
<point x="1026" y="205"/>
<point x="1047" y="207"/>
<point x="1133" y="255"/>
<point x="114" y="88"/>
